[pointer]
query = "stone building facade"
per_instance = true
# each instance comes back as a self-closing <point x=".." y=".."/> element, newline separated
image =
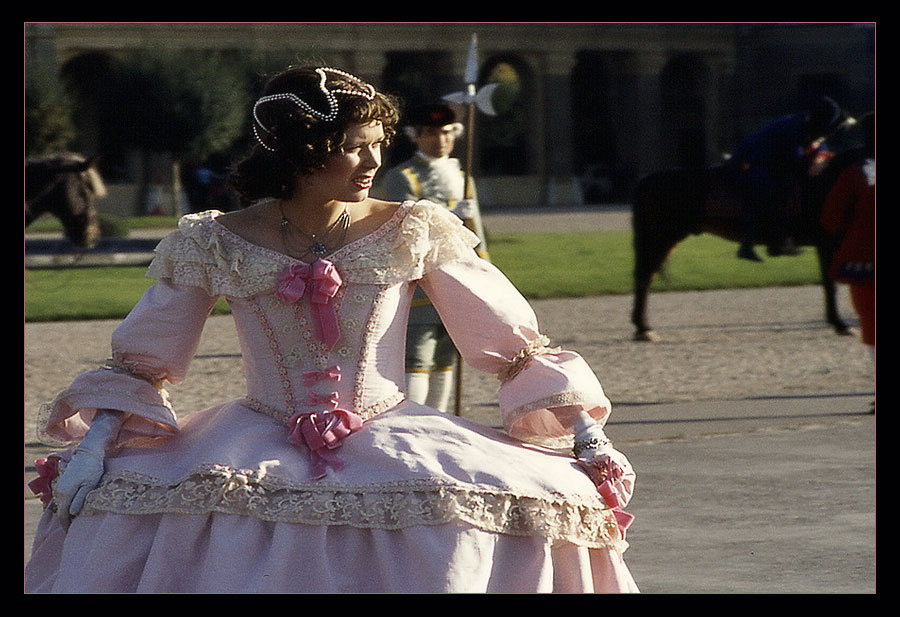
<point x="587" y="108"/>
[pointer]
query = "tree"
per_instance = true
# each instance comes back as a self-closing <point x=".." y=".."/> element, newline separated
<point x="190" y="104"/>
<point x="48" y="114"/>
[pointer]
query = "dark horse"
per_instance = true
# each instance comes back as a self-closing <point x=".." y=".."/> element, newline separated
<point x="669" y="206"/>
<point x="65" y="185"/>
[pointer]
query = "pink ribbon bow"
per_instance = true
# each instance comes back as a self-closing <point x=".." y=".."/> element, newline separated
<point x="611" y="497"/>
<point x="329" y="400"/>
<point x="322" y="432"/>
<point x="322" y="280"/>
<point x="604" y="472"/>
<point x="48" y="470"/>
<point x="332" y="373"/>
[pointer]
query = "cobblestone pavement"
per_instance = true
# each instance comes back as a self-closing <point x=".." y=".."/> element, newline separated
<point x="731" y="344"/>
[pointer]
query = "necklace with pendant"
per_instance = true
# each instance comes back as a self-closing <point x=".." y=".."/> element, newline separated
<point x="317" y="244"/>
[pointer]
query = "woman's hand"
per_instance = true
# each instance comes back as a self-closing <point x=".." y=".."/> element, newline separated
<point x="606" y="467"/>
<point x="85" y="469"/>
<point x="82" y="475"/>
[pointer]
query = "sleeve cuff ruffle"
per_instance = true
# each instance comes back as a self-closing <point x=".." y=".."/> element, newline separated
<point x="67" y="419"/>
<point x="550" y="379"/>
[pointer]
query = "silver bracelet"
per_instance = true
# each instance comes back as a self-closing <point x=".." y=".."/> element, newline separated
<point x="589" y="444"/>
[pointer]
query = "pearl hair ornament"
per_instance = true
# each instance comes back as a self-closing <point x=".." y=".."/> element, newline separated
<point x="367" y="91"/>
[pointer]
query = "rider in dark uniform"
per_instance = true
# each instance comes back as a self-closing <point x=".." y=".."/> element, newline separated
<point x="769" y="162"/>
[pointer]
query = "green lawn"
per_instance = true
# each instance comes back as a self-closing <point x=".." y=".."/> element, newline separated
<point x="540" y="265"/>
<point x="590" y="264"/>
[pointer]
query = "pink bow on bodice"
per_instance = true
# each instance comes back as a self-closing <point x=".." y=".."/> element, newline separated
<point x="332" y="373"/>
<point x="322" y="432"/>
<point x="329" y="401"/>
<point x="321" y="281"/>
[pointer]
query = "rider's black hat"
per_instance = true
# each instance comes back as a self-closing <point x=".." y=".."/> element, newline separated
<point x="825" y="117"/>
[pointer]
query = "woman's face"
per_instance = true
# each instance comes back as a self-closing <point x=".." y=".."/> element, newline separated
<point x="349" y="173"/>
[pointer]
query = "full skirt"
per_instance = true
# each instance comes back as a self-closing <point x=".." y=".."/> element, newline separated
<point x="419" y="502"/>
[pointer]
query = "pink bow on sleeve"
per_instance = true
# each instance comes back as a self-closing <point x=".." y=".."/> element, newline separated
<point x="322" y="432"/>
<point x="608" y="492"/>
<point x="322" y="281"/>
<point x="604" y="473"/>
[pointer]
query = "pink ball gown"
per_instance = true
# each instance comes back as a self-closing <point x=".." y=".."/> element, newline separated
<point x="324" y="478"/>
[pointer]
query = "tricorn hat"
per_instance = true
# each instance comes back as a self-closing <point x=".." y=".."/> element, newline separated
<point x="433" y="114"/>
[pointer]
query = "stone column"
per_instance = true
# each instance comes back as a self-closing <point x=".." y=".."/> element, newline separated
<point x="721" y="105"/>
<point x="368" y="64"/>
<point x="556" y="158"/>
<point x="646" y="68"/>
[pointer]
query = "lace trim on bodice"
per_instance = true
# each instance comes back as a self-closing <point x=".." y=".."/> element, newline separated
<point x="418" y="238"/>
<point x="393" y="505"/>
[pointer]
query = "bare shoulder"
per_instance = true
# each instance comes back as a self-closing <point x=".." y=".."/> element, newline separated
<point x="373" y="213"/>
<point x="379" y="207"/>
<point x="254" y="223"/>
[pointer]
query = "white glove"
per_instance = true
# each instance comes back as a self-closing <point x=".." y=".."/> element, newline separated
<point x="465" y="209"/>
<point x="84" y="471"/>
<point x="607" y="468"/>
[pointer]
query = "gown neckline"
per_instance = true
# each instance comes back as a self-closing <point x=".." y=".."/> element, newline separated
<point x="398" y="214"/>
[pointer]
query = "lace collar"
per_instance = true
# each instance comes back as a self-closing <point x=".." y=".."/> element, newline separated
<point x="418" y="237"/>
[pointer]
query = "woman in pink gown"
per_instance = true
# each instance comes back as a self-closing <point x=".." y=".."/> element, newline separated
<point x="324" y="478"/>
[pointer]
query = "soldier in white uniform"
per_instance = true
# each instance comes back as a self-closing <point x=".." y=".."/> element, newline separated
<point x="433" y="175"/>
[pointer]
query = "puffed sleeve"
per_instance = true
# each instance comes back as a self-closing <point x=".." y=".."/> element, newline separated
<point x="152" y="347"/>
<point x="542" y="389"/>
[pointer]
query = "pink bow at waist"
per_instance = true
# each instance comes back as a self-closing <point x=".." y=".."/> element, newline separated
<point x="322" y="281"/>
<point x="322" y="432"/>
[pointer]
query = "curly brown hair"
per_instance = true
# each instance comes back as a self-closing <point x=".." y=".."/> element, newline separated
<point x="293" y="141"/>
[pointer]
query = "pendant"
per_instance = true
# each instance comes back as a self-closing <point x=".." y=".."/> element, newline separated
<point x="317" y="246"/>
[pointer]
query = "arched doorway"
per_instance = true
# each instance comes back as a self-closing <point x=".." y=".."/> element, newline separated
<point x="503" y="139"/>
<point x="595" y="153"/>
<point x="685" y="85"/>
<point x="417" y="78"/>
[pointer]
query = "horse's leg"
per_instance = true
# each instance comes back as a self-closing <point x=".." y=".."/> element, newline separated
<point x="832" y="316"/>
<point x="639" y="310"/>
<point x="649" y="257"/>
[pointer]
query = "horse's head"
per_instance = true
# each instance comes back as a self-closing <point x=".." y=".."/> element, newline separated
<point x="831" y="150"/>
<point x="831" y="156"/>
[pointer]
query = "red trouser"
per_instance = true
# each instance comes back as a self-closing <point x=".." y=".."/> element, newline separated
<point x="863" y="298"/>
